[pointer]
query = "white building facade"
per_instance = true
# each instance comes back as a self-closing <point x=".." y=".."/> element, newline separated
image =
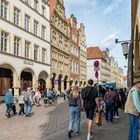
<point x="24" y="44"/>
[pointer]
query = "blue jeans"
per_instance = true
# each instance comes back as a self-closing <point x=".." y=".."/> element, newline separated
<point x="134" y="127"/>
<point x="9" y="108"/>
<point x="28" y="107"/>
<point x="75" y="115"/>
<point x="109" y="109"/>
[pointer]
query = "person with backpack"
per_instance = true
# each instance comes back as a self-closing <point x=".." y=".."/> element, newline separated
<point x="28" y="102"/>
<point x="75" y="110"/>
<point x="90" y="100"/>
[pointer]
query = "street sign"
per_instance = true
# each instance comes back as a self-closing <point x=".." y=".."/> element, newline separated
<point x="96" y="63"/>
<point x="96" y="74"/>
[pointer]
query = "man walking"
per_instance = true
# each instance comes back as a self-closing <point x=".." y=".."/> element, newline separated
<point x="9" y="102"/>
<point x="110" y="100"/>
<point x="28" y="102"/>
<point x="132" y="107"/>
<point x="90" y="100"/>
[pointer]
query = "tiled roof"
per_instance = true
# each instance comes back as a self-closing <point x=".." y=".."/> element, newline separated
<point x="94" y="53"/>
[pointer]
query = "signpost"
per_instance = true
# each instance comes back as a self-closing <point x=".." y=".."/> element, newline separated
<point x="96" y="69"/>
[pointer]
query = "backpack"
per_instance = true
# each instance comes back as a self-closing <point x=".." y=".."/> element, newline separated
<point x="85" y="96"/>
<point x="26" y="97"/>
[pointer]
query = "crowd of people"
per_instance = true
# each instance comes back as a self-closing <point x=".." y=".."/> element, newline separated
<point x="89" y="99"/>
<point x="26" y="100"/>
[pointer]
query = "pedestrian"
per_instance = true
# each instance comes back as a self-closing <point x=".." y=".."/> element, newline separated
<point x="117" y="105"/>
<point x="9" y="101"/>
<point x="90" y="100"/>
<point x="21" y="103"/>
<point x="110" y="99"/>
<point x="75" y="110"/>
<point x="28" y="102"/>
<point x="123" y="98"/>
<point x="37" y="97"/>
<point x="132" y="107"/>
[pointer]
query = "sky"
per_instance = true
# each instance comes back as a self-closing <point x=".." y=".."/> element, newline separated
<point x="104" y="20"/>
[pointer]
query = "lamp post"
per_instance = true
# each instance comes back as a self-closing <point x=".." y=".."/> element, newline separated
<point x="127" y="47"/>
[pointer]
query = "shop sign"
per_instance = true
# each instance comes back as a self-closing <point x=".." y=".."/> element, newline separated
<point x="28" y="63"/>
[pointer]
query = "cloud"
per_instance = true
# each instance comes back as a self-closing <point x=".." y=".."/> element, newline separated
<point x="114" y="5"/>
<point x="109" y="41"/>
<point x="80" y="7"/>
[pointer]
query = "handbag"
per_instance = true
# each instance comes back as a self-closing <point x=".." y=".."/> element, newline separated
<point x="98" y="118"/>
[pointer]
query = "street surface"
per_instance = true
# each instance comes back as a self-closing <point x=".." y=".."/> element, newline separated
<point x="51" y="123"/>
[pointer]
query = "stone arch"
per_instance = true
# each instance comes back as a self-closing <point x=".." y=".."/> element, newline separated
<point x="43" y="81"/>
<point x="8" y="78"/>
<point x="28" y="78"/>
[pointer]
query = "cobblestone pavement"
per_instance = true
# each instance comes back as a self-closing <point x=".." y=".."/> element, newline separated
<point x="51" y="123"/>
<point x="116" y="131"/>
<point x="26" y="128"/>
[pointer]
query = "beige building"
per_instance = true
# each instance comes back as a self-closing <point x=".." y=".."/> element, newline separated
<point x="83" y="54"/>
<point x="116" y="73"/>
<point x="59" y="45"/>
<point x="24" y="45"/>
<point x="108" y="70"/>
<point x="95" y="54"/>
<point x="134" y="72"/>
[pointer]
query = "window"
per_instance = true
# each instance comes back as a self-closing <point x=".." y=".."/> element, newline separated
<point x="16" y="45"/>
<point x="35" y="27"/>
<point x="36" y="4"/>
<point x="43" y="32"/>
<point x="36" y="52"/>
<point x="4" y="9"/>
<point x="43" y="10"/>
<point x="43" y="55"/>
<point x="16" y="16"/>
<point x="28" y="1"/>
<point x="27" y="49"/>
<point x="4" y="41"/>
<point x="27" y="22"/>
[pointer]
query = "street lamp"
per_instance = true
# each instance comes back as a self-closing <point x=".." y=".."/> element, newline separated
<point x="125" y="46"/>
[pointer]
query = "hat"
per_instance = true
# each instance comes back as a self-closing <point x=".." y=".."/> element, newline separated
<point x="136" y="80"/>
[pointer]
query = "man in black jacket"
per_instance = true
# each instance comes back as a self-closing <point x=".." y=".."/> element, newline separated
<point x="90" y="100"/>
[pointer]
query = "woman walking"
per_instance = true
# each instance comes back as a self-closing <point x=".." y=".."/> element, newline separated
<point x="21" y="103"/>
<point x="75" y="110"/>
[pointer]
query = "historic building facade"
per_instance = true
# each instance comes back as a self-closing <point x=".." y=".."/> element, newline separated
<point x="134" y="49"/>
<point x="24" y="44"/>
<point x="83" y="54"/>
<point x="74" y="57"/>
<point x="108" y="70"/>
<point x="94" y="54"/>
<point x="59" y="46"/>
<point x="116" y="73"/>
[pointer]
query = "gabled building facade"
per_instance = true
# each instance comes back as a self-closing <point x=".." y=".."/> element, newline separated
<point x="59" y="45"/>
<point x="83" y="54"/>
<point x="74" y="57"/>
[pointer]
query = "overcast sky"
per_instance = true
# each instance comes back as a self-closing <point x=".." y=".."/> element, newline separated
<point x="104" y="20"/>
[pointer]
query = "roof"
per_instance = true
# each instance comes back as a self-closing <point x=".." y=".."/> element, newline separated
<point x="94" y="53"/>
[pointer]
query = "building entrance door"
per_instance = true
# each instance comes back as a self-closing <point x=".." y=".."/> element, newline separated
<point x="26" y="80"/>
<point x="6" y="80"/>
